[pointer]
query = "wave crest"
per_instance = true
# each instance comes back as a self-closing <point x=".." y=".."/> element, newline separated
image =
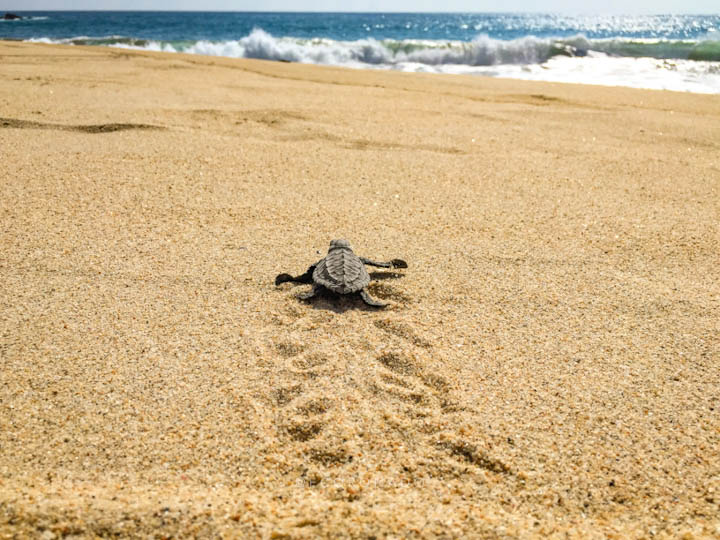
<point x="483" y="51"/>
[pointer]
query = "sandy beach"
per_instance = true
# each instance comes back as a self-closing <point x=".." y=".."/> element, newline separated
<point x="549" y="363"/>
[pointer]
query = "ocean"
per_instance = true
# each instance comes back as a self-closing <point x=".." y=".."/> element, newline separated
<point x="664" y="52"/>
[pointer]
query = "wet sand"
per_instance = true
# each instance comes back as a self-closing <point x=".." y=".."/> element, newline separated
<point x="549" y="363"/>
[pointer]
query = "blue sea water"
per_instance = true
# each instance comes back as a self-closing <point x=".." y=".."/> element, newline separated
<point x="678" y="52"/>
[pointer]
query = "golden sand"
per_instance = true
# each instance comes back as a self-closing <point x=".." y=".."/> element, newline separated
<point x="549" y="363"/>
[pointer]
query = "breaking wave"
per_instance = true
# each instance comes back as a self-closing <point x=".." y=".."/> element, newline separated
<point x="481" y="51"/>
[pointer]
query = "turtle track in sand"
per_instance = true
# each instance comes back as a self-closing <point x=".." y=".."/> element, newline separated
<point x="388" y="400"/>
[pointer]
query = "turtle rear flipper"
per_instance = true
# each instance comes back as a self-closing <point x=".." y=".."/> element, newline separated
<point x="370" y="301"/>
<point x="312" y="293"/>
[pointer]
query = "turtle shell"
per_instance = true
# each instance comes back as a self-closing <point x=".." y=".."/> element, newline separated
<point x="341" y="271"/>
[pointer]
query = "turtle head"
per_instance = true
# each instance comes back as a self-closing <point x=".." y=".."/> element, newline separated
<point x="340" y="243"/>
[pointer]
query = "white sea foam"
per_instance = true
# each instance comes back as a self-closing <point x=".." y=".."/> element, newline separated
<point x="648" y="73"/>
<point x="148" y="46"/>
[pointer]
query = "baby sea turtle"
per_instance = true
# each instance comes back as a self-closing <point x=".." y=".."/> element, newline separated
<point x="341" y="271"/>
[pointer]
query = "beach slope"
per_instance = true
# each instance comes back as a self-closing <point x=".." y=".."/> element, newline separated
<point x="549" y="363"/>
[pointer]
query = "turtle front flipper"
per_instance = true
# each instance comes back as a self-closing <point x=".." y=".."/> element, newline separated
<point x="369" y="300"/>
<point x="305" y="278"/>
<point x="395" y="263"/>
<point x="283" y="278"/>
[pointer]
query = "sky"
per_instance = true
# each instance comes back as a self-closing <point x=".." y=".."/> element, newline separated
<point x="563" y="6"/>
